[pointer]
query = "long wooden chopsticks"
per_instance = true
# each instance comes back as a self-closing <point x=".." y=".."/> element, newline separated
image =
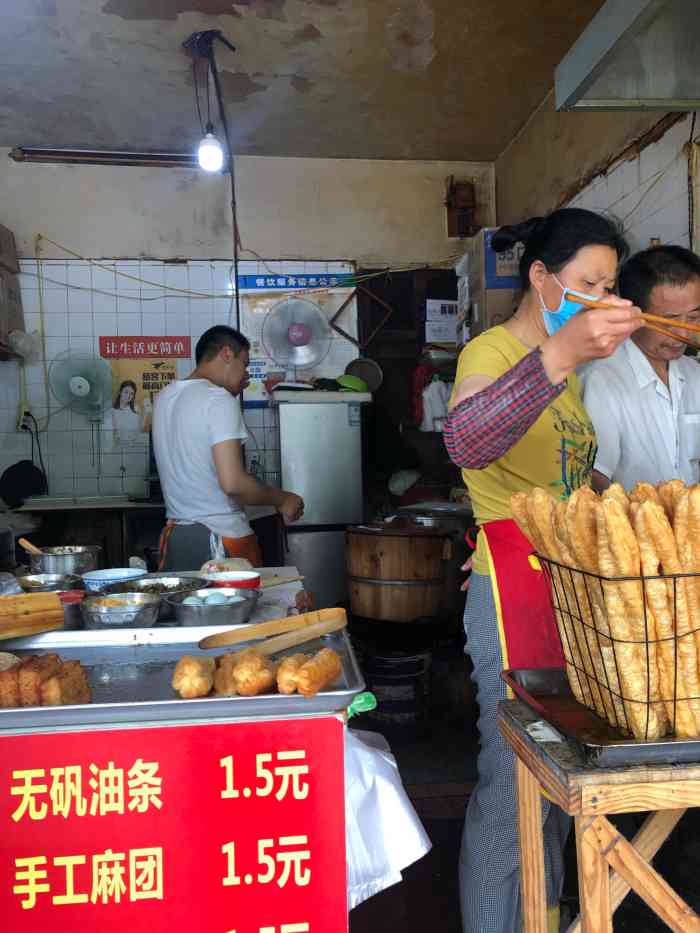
<point x="652" y="321"/>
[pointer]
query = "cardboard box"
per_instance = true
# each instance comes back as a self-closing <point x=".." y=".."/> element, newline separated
<point x="487" y="269"/>
<point x="8" y="251"/>
<point x="11" y="313"/>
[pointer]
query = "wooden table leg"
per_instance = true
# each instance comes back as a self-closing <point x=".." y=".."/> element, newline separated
<point x="655" y="831"/>
<point x="642" y="878"/>
<point x="534" y="897"/>
<point x="593" y="879"/>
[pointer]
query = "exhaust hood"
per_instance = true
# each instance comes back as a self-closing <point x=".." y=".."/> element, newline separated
<point x="634" y="55"/>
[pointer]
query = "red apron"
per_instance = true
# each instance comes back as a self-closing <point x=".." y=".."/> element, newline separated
<point x="527" y="629"/>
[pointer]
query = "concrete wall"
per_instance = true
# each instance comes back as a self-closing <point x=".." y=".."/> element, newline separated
<point x="371" y="212"/>
<point x="554" y="150"/>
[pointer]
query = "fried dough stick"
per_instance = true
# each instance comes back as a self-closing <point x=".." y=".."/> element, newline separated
<point x="616" y="491"/>
<point x="650" y="529"/>
<point x="618" y="556"/>
<point x="540" y="509"/>
<point x="319" y="672"/>
<point x="588" y="646"/>
<point x="287" y="672"/>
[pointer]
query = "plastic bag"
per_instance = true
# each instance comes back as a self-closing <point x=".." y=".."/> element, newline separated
<point x="383" y="832"/>
<point x="9" y="585"/>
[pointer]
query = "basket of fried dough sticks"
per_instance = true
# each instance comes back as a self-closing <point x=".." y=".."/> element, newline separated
<point x="624" y="572"/>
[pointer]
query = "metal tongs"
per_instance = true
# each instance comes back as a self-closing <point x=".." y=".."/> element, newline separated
<point x="652" y="321"/>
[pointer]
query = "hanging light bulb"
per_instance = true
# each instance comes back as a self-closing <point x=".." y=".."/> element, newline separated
<point x="210" y="153"/>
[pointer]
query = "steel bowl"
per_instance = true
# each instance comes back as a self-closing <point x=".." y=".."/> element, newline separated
<point x="160" y="585"/>
<point x="68" y="559"/>
<point x="49" y="582"/>
<point x="120" y="610"/>
<point x="215" y="615"/>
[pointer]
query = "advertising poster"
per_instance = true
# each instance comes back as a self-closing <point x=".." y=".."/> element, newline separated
<point x="138" y="375"/>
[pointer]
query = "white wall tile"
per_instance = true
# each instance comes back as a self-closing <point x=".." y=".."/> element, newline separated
<point x="105" y="325"/>
<point x="55" y="345"/>
<point x="61" y="465"/>
<point x="79" y="301"/>
<point x="128" y="324"/>
<point x="177" y="325"/>
<point x="104" y="304"/>
<point x="8" y="419"/>
<point x="79" y="324"/>
<point x="80" y="273"/>
<point x="61" y="487"/>
<point x="153" y="323"/>
<point x="153" y="272"/>
<point x="200" y="277"/>
<point x="104" y="278"/>
<point x="176" y="276"/>
<point x="56" y="325"/>
<point x="109" y="485"/>
<point x="86" y="486"/>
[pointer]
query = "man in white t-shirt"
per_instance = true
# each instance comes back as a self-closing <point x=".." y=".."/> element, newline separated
<point x="198" y="435"/>
<point x="644" y="400"/>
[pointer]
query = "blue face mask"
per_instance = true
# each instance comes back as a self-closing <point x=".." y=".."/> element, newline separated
<point x="553" y="320"/>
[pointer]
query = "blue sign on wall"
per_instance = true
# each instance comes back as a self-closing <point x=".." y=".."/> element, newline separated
<point x="304" y="280"/>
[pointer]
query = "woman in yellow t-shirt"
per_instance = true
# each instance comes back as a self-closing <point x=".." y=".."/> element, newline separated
<point x="516" y="422"/>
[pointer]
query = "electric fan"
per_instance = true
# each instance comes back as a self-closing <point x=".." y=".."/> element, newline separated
<point x="83" y="383"/>
<point x="295" y="334"/>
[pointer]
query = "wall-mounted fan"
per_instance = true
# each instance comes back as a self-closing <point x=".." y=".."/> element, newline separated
<point x="83" y="383"/>
<point x="295" y="334"/>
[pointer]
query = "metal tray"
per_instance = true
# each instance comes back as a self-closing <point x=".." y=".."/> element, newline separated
<point x="130" y="673"/>
<point x="547" y="692"/>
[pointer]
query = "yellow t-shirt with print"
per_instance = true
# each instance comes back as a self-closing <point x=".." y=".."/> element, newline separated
<point x="557" y="452"/>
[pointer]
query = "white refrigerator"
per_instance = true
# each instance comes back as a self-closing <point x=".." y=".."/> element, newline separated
<point x="321" y="459"/>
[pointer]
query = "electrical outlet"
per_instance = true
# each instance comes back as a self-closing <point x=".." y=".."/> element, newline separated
<point x="23" y="419"/>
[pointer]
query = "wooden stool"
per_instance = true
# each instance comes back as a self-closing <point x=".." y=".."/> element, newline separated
<point x="589" y="794"/>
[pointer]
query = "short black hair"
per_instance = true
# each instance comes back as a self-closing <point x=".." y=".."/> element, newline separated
<point x="215" y="339"/>
<point x="658" y="265"/>
<point x="556" y="238"/>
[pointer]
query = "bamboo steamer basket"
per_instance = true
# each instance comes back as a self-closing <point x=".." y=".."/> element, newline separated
<point x="396" y="570"/>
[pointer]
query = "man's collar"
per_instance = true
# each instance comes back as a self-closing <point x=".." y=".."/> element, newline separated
<point x="644" y="372"/>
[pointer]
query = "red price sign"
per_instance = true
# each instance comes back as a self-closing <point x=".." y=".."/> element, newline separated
<point x="236" y="828"/>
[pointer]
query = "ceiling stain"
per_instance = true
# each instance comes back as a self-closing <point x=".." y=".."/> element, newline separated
<point x="167" y="9"/>
<point x="239" y="86"/>
<point x="386" y="79"/>
<point x="300" y="84"/>
<point x="265" y="9"/>
<point x="308" y="33"/>
<point x="410" y="33"/>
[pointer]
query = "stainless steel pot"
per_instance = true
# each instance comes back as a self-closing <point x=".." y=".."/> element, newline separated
<point x="68" y="559"/>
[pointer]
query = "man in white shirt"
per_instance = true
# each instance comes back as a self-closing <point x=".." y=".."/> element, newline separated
<point x="644" y="400"/>
<point x="198" y="436"/>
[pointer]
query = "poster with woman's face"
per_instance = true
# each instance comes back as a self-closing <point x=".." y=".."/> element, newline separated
<point x="135" y="384"/>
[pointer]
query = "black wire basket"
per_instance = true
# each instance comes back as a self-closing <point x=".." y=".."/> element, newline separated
<point x="631" y="647"/>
